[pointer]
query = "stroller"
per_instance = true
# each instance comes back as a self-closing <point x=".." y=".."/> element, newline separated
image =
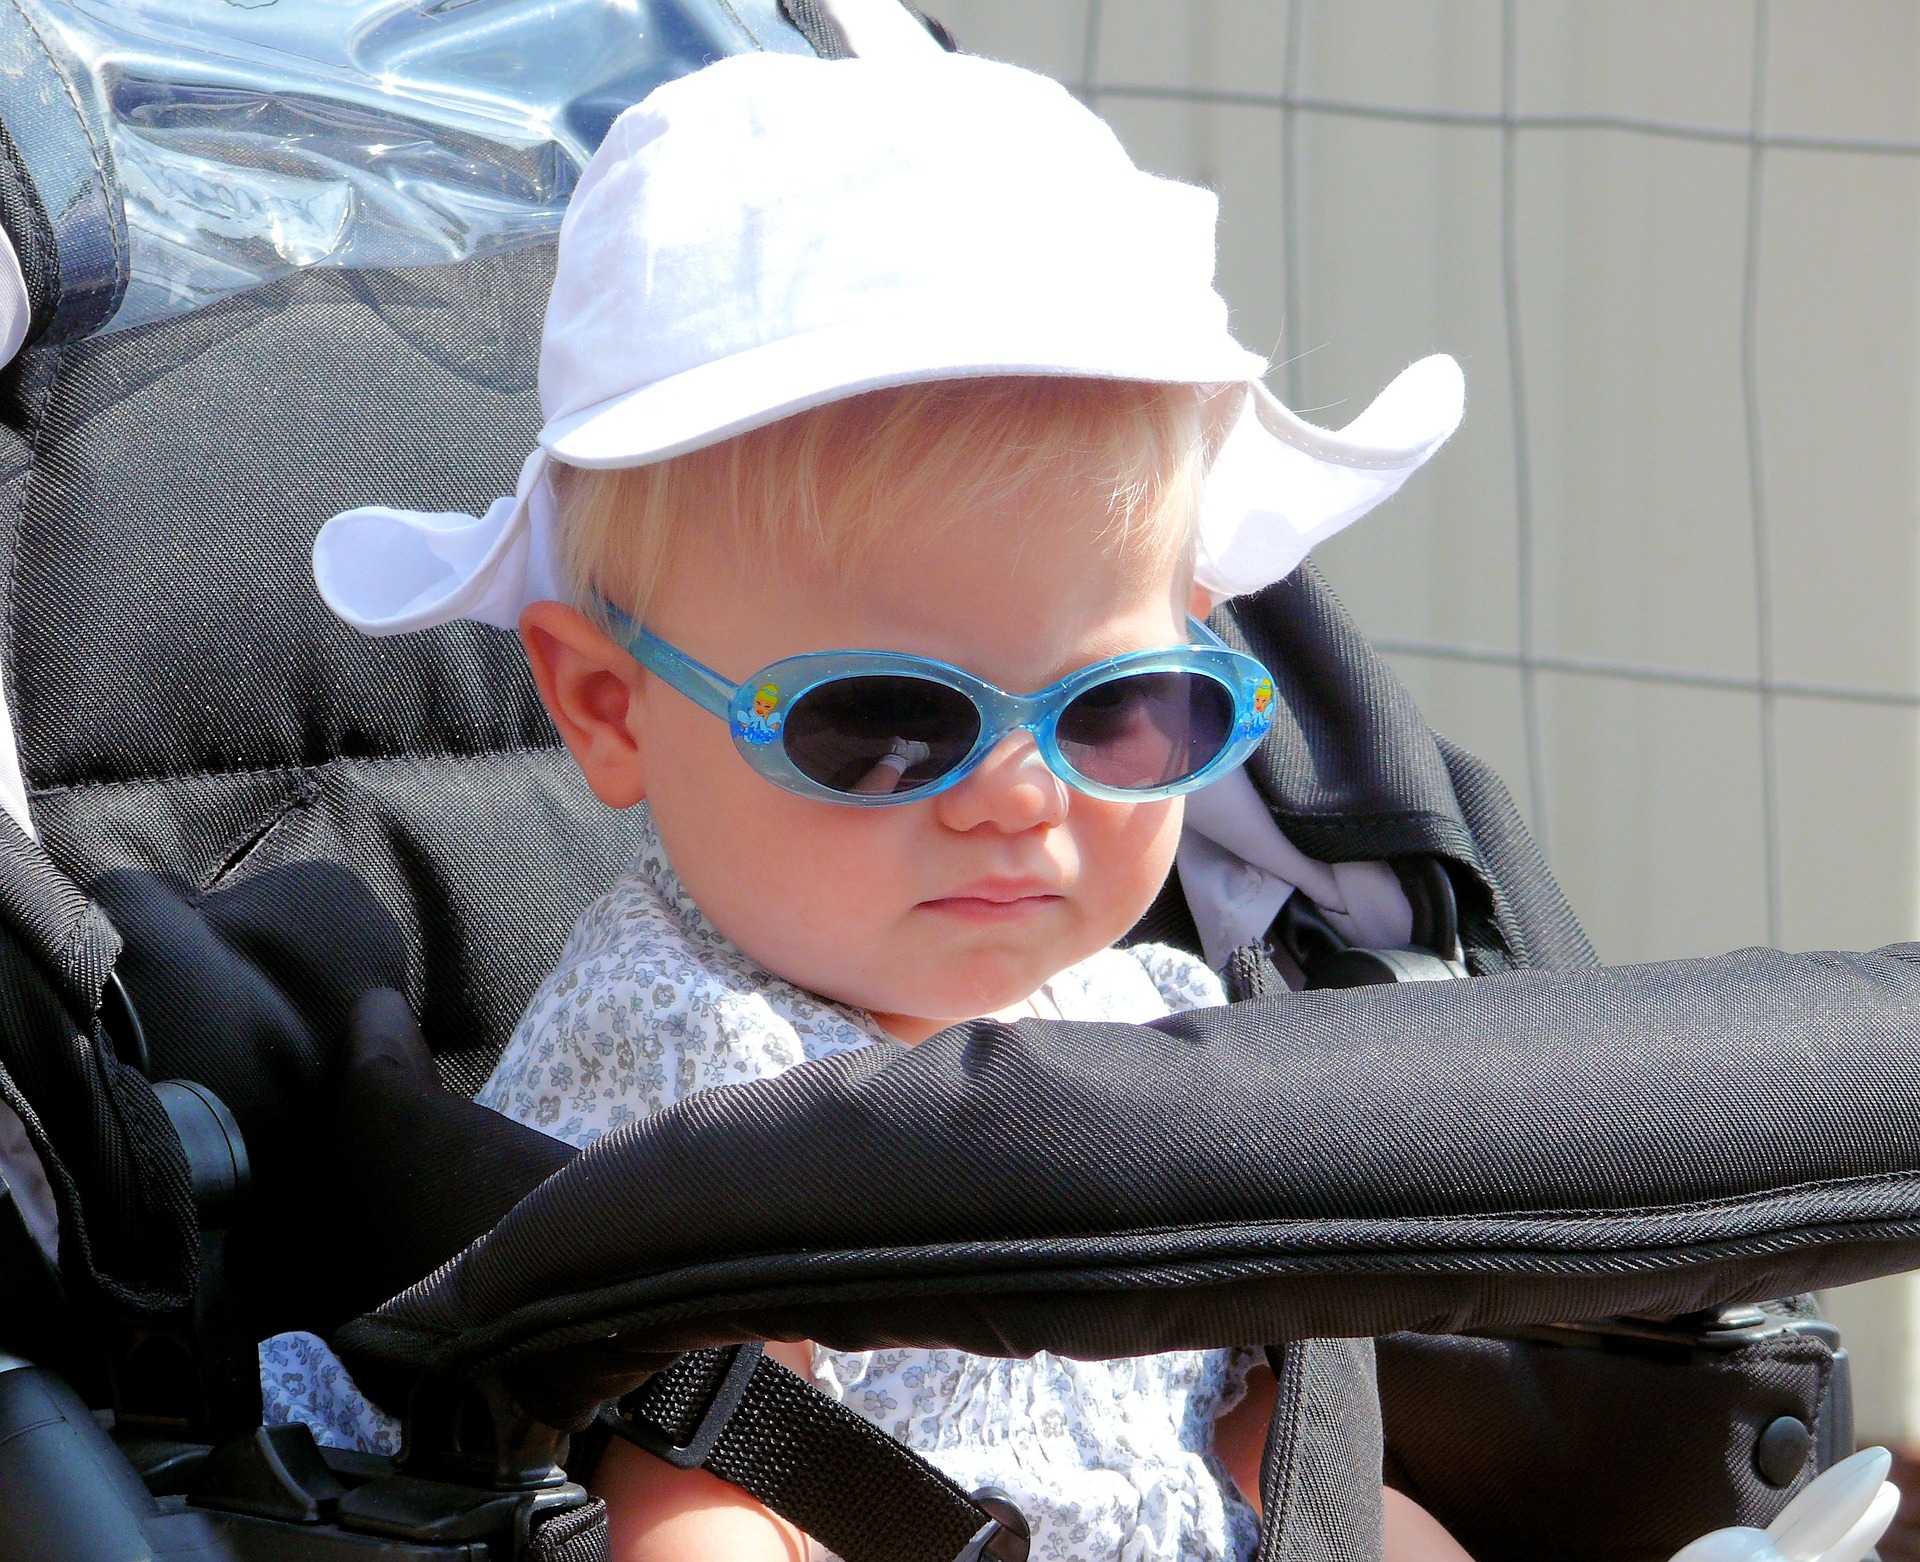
<point x="1559" y="1198"/>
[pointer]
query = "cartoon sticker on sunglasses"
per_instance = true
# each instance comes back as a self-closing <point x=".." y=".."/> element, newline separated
<point x="762" y="724"/>
<point x="1257" y="720"/>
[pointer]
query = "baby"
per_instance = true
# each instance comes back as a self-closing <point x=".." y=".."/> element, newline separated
<point x="855" y="569"/>
<point x="896" y="445"/>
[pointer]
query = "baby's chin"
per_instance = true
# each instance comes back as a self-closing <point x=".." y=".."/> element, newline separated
<point x="921" y="976"/>
<point x="913" y="1011"/>
<point x="916" y="1028"/>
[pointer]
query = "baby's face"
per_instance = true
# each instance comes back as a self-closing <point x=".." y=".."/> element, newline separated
<point x="932" y="912"/>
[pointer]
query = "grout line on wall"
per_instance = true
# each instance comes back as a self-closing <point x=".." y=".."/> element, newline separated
<point x="1090" y="54"/>
<point x="1537" y="794"/>
<point x="1473" y="119"/>
<point x="1291" y="329"/>
<point x="1757" y="483"/>
<point x="1640" y="672"/>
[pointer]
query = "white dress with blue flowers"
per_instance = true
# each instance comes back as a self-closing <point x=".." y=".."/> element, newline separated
<point x="649" y="1003"/>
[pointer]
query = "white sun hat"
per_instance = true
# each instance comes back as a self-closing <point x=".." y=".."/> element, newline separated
<point x="772" y="233"/>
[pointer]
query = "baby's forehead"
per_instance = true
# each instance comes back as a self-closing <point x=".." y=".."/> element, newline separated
<point x="932" y="463"/>
<point x="1018" y="572"/>
<point x="888" y="531"/>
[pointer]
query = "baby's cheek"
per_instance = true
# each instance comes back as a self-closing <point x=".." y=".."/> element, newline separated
<point x="1125" y="851"/>
<point x="802" y="894"/>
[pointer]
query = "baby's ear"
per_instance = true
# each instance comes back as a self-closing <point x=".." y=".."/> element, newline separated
<point x="589" y="685"/>
<point x="1202" y="601"/>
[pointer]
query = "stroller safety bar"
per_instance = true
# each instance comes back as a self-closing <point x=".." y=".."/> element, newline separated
<point x="1641" y="1143"/>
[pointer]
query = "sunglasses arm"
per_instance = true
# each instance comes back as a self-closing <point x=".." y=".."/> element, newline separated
<point x="678" y="671"/>
<point x="1199" y="634"/>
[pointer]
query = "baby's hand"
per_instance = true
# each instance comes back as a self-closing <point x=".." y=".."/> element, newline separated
<point x="1836" y="1519"/>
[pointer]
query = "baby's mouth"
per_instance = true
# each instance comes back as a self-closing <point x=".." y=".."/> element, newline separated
<point x="996" y="900"/>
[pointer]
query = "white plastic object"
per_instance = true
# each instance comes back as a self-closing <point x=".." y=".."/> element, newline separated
<point x="15" y="310"/>
<point x="15" y="307"/>
<point x="1838" y="1518"/>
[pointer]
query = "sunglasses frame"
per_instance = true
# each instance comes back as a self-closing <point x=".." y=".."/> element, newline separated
<point x="780" y="685"/>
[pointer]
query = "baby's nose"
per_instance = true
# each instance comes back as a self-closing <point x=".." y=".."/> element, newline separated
<point x="1011" y="790"/>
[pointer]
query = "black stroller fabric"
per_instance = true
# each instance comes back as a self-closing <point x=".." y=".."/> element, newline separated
<point x="117" y="1159"/>
<point x="192" y="720"/>
<point x="1318" y="1496"/>
<point x="1353" y="773"/>
<point x="1434" y="1156"/>
<point x="1524" y="1449"/>
<point x="249" y="811"/>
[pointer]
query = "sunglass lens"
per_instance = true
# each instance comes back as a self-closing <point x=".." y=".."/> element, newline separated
<point x="872" y="736"/>
<point x="1146" y="730"/>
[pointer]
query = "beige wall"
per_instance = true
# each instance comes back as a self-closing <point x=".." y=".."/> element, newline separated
<point x="1664" y="577"/>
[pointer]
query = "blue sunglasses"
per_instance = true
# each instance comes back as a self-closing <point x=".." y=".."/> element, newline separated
<point x="876" y="727"/>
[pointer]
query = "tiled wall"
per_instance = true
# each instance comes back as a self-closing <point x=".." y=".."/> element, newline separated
<point x="1664" y="578"/>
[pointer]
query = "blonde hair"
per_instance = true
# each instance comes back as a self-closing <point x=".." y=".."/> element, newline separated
<point x="835" y="480"/>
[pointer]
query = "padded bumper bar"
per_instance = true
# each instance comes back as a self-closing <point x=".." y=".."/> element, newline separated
<point x="1517" y="1149"/>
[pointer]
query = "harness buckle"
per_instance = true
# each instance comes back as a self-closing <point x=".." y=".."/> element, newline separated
<point x="696" y="1450"/>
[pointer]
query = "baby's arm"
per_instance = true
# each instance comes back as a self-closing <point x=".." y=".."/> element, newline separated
<point x="1240" y="1441"/>
<point x="1240" y="1436"/>
<point x="1415" y="1535"/>
<point x="660" y="1514"/>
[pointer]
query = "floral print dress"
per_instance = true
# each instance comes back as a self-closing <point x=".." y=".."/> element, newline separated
<point x="649" y="1003"/>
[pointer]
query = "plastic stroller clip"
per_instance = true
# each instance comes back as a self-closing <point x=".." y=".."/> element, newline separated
<point x="1838" y="1518"/>
<point x="1006" y="1537"/>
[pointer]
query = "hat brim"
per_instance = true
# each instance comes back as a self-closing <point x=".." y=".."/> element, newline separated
<point x="732" y="394"/>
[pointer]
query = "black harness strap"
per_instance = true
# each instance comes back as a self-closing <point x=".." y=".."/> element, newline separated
<point x="739" y="1414"/>
<point x="818" y="27"/>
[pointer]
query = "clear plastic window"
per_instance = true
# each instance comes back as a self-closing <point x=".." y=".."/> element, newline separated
<point x="255" y="137"/>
